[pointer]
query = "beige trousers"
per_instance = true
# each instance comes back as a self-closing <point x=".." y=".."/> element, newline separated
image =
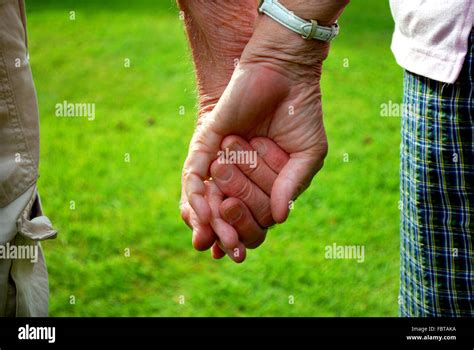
<point x="23" y="275"/>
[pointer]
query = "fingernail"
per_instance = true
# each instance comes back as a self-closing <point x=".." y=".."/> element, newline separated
<point x="260" y="148"/>
<point x="235" y="146"/>
<point x="233" y="213"/>
<point x="224" y="172"/>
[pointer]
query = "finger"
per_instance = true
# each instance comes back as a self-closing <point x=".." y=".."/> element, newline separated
<point x="217" y="252"/>
<point x="203" y="235"/>
<point x="236" y="150"/>
<point x="237" y="254"/>
<point x="234" y="183"/>
<point x="270" y="152"/>
<point x="235" y="212"/>
<point x="228" y="238"/>
<point x="295" y="177"/>
<point x="225" y="232"/>
<point x="203" y="149"/>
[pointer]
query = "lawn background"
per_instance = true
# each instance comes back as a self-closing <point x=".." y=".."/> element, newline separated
<point x="121" y="205"/>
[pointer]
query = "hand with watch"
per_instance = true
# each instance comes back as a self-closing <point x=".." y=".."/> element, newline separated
<point x="307" y="29"/>
<point x="273" y="94"/>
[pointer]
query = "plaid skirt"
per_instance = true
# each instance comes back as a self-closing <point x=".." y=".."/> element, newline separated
<point x="437" y="195"/>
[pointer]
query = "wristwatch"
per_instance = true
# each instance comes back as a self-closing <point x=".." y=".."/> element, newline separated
<point x="307" y="29"/>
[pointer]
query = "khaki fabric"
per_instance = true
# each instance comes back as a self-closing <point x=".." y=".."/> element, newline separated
<point x="23" y="282"/>
<point x="19" y="129"/>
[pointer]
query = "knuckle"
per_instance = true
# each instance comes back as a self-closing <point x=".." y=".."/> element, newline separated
<point x="243" y="190"/>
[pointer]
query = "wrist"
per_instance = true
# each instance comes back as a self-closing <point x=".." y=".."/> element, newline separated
<point x="285" y="51"/>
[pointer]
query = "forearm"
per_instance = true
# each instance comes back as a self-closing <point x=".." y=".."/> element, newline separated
<point x="217" y="31"/>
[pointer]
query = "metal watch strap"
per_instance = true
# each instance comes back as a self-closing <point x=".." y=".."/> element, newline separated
<point x="307" y="29"/>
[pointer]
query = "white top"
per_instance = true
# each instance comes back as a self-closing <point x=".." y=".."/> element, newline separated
<point x="431" y="36"/>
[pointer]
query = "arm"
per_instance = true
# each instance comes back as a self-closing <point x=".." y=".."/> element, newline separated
<point x="278" y="71"/>
<point x="218" y="32"/>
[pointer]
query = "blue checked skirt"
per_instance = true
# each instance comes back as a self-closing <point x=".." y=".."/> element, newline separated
<point x="437" y="195"/>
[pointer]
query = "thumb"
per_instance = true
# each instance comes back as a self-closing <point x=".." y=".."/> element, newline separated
<point x="252" y="94"/>
<point x="295" y="177"/>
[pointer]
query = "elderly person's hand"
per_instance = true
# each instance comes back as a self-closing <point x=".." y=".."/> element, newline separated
<point x="274" y="92"/>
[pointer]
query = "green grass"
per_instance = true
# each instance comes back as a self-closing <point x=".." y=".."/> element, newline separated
<point x="120" y="205"/>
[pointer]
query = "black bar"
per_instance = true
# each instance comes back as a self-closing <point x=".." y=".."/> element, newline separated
<point x="353" y="332"/>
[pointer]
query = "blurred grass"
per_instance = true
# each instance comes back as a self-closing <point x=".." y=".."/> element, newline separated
<point x="134" y="205"/>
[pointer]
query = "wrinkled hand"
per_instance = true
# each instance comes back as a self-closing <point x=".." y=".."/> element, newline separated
<point x="274" y="92"/>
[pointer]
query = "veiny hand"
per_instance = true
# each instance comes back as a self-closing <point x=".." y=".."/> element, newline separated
<point x="274" y="92"/>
